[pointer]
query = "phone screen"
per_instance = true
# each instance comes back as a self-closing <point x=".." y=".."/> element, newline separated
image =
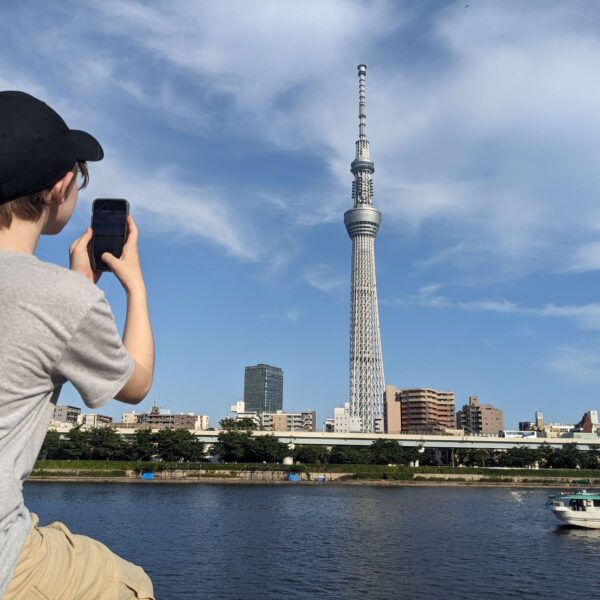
<point x="109" y="228"/>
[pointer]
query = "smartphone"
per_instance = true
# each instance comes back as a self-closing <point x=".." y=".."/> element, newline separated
<point x="109" y="230"/>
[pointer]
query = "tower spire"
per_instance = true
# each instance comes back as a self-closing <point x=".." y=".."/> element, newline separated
<point x="362" y="114"/>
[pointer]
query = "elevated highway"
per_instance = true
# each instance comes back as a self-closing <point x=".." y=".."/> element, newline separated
<point x="418" y="441"/>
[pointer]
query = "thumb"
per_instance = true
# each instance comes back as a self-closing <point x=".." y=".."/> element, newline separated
<point x="110" y="260"/>
<point x="82" y="239"/>
<point x="87" y="235"/>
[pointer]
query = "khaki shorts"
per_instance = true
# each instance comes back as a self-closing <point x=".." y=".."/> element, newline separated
<point x="56" y="564"/>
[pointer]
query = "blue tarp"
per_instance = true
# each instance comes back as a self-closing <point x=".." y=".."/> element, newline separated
<point x="293" y="477"/>
<point x="147" y="476"/>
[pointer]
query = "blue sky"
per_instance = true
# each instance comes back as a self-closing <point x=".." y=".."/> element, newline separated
<point x="230" y="128"/>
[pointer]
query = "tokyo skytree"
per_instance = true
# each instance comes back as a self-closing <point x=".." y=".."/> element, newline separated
<point x="362" y="223"/>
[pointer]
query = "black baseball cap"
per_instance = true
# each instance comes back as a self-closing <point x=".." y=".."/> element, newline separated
<point x="36" y="146"/>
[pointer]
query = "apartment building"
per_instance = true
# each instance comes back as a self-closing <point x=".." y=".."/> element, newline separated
<point x="282" y="421"/>
<point x="64" y="413"/>
<point x="425" y="410"/>
<point x="479" y="419"/>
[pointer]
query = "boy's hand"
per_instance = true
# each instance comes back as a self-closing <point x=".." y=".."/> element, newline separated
<point x="127" y="268"/>
<point x="79" y="257"/>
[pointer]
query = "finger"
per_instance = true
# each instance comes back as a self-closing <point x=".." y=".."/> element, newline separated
<point x="83" y="239"/>
<point x="110" y="260"/>
<point x="87" y="235"/>
<point x="133" y="230"/>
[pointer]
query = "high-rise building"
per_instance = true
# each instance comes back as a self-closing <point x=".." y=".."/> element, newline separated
<point x="424" y="410"/>
<point x="479" y="419"/>
<point x="362" y="223"/>
<point x="263" y="389"/>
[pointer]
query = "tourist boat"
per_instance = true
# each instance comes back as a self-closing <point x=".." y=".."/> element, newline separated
<point x="578" y="508"/>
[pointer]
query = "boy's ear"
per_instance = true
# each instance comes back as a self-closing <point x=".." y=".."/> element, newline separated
<point x="59" y="193"/>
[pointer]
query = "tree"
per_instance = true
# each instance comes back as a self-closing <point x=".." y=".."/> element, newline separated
<point x="178" y="445"/>
<point x="590" y="459"/>
<point x="311" y="455"/>
<point x="349" y="455"/>
<point x="233" y="446"/>
<point x="245" y="424"/>
<point x="104" y="443"/>
<point x="52" y="446"/>
<point x="544" y="455"/>
<point x="517" y="457"/>
<point x="385" y="452"/>
<point x="473" y="457"/>
<point x="75" y="444"/>
<point x="267" y="448"/>
<point x="567" y="457"/>
<point x="142" y="446"/>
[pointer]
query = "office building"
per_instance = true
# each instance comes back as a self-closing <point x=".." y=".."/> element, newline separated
<point x="263" y="389"/>
<point x="362" y="223"/>
<point x="475" y="418"/>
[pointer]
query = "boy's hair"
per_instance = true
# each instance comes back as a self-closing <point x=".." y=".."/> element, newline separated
<point x="31" y="207"/>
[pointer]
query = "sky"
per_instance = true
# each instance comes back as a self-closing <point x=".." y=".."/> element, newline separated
<point x="230" y="128"/>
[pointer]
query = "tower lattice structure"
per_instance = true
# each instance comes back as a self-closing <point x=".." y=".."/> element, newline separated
<point x="362" y="222"/>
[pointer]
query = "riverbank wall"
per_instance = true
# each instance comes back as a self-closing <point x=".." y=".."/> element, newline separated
<point x="280" y="477"/>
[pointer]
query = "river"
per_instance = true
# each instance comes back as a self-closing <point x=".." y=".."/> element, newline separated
<point x="333" y="542"/>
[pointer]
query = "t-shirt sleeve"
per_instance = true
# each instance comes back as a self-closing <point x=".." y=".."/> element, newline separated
<point x="95" y="360"/>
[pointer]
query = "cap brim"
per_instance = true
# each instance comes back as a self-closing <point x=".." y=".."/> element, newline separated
<point x="87" y="146"/>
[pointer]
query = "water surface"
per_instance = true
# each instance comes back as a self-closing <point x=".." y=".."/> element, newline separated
<point x="307" y="542"/>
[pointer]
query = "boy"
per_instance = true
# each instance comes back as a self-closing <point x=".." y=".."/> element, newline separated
<point x="56" y="326"/>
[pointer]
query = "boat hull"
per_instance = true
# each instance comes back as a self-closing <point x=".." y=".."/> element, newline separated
<point x="585" y="519"/>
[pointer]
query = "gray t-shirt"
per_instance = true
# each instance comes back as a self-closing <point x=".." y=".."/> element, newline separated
<point x="55" y="326"/>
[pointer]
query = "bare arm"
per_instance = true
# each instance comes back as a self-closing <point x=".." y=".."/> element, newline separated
<point x="137" y="336"/>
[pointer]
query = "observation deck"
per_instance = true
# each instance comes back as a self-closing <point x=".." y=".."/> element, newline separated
<point x="362" y="220"/>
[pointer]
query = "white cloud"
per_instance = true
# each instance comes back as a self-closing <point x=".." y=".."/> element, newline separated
<point x="585" y="257"/>
<point x="322" y="277"/>
<point x="167" y="203"/>
<point x="291" y="315"/>
<point x="491" y="138"/>
<point x="502" y="306"/>
<point x="586" y="316"/>
<point x="577" y="365"/>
